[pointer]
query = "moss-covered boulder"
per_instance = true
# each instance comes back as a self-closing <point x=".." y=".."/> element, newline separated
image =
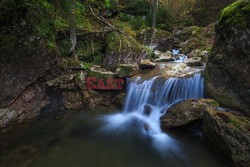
<point x="149" y="36"/>
<point x="100" y="73"/>
<point x="126" y="70"/>
<point x="229" y="135"/>
<point x="121" y="49"/>
<point x="193" y="38"/>
<point x="227" y="74"/>
<point x="185" y="112"/>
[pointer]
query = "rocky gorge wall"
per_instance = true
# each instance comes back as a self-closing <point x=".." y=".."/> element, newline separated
<point x="228" y="68"/>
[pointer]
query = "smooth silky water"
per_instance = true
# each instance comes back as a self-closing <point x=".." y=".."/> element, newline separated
<point x="131" y="138"/>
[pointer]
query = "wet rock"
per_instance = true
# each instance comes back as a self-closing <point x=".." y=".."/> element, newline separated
<point x="146" y="64"/>
<point x="147" y="109"/>
<point x="164" y="57"/>
<point x="196" y="61"/>
<point x="126" y="70"/>
<point x="7" y="117"/>
<point x="185" y="112"/>
<point x="229" y="135"/>
<point x="27" y="105"/>
<point x="119" y="100"/>
<point x="73" y="100"/>
<point x="95" y="100"/>
<point x="227" y="74"/>
<point x="121" y="50"/>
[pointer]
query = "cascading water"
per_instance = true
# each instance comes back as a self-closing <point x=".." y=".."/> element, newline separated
<point x="146" y="102"/>
<point x="181" y="57"/>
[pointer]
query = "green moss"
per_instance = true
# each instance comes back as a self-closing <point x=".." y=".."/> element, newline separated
<point x="125" y="70"/>
<point x="64" y="47"/>
<point x="60" y="23"/>
<point x="236" y="14"/>
<point x="100" y="74"/>
<point x="124" y="26"/>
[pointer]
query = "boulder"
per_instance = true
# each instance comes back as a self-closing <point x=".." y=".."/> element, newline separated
<point x="7" y="117"/>
<point x="196" y="61"/>
<point x="126" y="70"/>
<point x="63" y="82"/>
<point x="146" y="64"/>
<point x="194" y="37"/>
<point x="229" y="135"/>
<point x="164" y="57"/>
<point x="121" y="49"/>
<point x="227" y="74"/>
<point x="149" y="36"/>
<point x="73" y="100"/>
<point x="119" y="100"/>
<point x="165" y="45"/>
<point x="185" y="112"/>
<point x="100" y="73"/>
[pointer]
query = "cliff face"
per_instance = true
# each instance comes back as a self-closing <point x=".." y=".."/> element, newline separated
<point x="227" y="74"/>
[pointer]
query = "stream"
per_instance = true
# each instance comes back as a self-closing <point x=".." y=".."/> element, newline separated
<point x="131" y="138"/>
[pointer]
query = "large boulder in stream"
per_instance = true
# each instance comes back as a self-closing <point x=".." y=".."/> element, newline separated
<point x="121" y="49"/>
<point x="227" y="74"/>
<point x="229" y="134"/>
<point x="185" y="112"/>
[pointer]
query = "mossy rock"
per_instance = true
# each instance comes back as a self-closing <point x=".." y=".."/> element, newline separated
<point x="227" y="73"/>
<point x="126" y="70"/>
<point x="121" y="49"/>
<point x="235" y="15"/>
<point x="229" y="135"/>
<point x="152" y="35"/>
<point x="100" y="73"/>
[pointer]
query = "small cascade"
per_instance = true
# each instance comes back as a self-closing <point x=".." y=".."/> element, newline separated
<point x="146" y="102"/>
<point x="180" y="58"/>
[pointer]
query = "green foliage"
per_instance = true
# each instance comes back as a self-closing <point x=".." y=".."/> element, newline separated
<point x="164" y="19"/>
<point x="107" y="4"/>
<point x="204" y="12"/>
<point x="86" y="66"/>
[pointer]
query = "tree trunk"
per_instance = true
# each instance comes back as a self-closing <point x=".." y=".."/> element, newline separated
<point x="155" y="7"/>
<point x="72" y="24"/>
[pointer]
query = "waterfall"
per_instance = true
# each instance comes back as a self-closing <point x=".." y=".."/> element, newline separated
<point x="146" y="102"/>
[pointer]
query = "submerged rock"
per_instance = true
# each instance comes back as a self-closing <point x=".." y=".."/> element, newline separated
<point x="7" y="117"/>
<point x="228" y="134"/>
<point x="146" y="64"/>
<point x="185" y="112"/>
<point x="147" y="110"/>
<point x="227" y="74"/>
